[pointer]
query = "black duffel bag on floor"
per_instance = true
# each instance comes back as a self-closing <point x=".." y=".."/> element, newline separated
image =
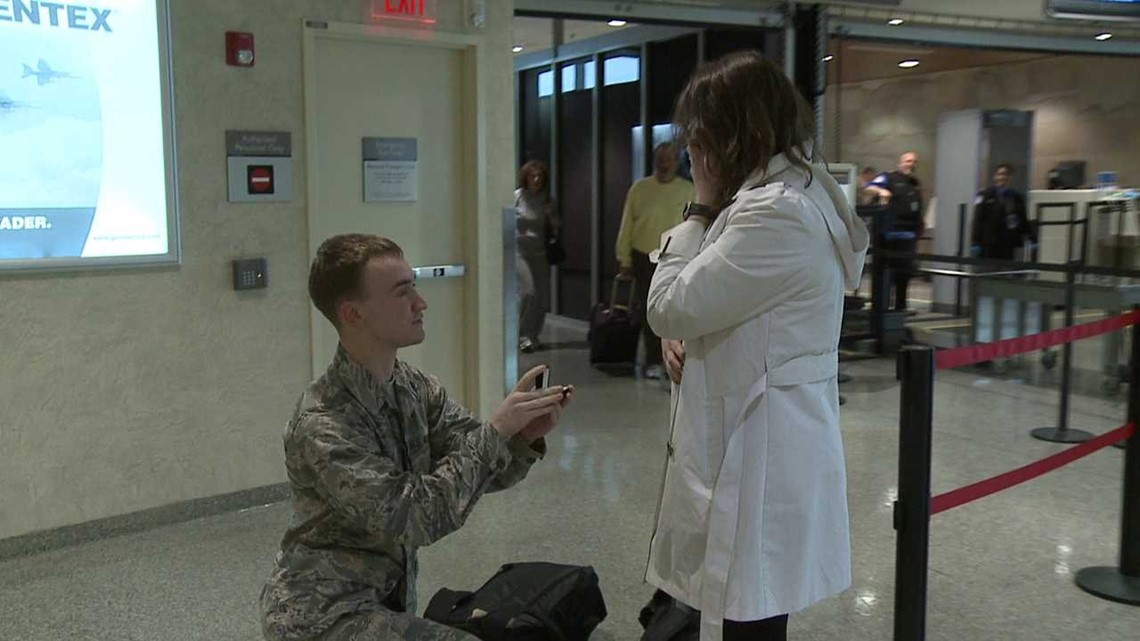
<point x="526" y="602"/>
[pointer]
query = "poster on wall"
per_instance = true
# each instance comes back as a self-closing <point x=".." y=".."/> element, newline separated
<point x="85" y="171"/>
<point x="391" y="170"/>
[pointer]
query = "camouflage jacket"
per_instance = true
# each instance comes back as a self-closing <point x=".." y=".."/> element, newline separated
<point x="376" y="472"/>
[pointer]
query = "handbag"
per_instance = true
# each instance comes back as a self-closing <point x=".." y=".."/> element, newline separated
<point x="555" y="252"/>
<point x="525" y="602"/>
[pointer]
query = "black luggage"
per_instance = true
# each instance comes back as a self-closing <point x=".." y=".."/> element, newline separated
<point x="526" y="602"/>
<point x="615" y="329"/>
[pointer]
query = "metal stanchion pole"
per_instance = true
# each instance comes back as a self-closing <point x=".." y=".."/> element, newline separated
<point x="1122" y="584"/>
<point x="880" y="288"/>
<point x="1084" y="241"/>
<point x="912" y="509"/>
<point x="1062" y="433"/>
<point x="961" y="242"/>
<point x="1037" y="223"/>
<point x="1069" y="233"/>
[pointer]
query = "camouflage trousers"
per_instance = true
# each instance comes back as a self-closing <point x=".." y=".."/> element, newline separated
<point x="391" y="626"/>
<point x="360" y="617"/>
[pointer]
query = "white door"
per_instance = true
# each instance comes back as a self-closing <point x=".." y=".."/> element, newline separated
<point x="362" y="86"/>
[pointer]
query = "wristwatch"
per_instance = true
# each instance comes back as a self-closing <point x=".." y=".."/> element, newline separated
<point x="696" y="209"/>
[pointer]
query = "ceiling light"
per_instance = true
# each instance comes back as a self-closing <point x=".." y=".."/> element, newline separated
<point x="894" y="22"/>
<point x="517" y="49"/>
<point x="908" y="64"/>
<point x="616" y="23"/>
<point x="1104" y="36"/>
<point x="828" y="58"/>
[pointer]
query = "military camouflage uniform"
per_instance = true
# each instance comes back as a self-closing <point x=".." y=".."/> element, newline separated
<point x="377" y="470"/>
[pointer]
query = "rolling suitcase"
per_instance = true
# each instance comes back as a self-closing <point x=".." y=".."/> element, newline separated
<point x="615" y="329"/>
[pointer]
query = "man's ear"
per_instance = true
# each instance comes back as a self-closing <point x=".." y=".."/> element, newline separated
<point x="347" y="313"/>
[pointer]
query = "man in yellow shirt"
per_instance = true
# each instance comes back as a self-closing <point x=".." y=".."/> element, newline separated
<point x="652" y="207"/>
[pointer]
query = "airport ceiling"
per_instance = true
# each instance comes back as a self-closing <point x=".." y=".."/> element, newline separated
<point x="862" y="60"/>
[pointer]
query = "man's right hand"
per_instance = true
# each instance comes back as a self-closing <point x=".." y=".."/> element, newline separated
<point x="525" y="404"/>
<point x="673" y="353"/>
<point x="625" y="272"/>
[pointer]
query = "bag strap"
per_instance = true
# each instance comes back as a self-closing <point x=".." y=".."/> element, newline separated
<point x="496" y="622"/>
<point x="444" y="603"/>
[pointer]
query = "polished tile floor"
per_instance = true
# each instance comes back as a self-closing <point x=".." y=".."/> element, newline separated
<point x="1001" y="569"/>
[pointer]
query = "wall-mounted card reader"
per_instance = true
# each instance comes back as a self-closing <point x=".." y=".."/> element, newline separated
<point x="440" y="271"/>
<point x="251" y="273"/>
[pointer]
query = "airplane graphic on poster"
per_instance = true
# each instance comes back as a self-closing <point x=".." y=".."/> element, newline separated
<point x="8" y="105"/>
<point x="43" y="73"/>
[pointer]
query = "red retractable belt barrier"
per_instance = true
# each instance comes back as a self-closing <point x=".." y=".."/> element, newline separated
<point x="915" y="505"/>
<point x="974" y="354"/>
<point x="982" y="489"/>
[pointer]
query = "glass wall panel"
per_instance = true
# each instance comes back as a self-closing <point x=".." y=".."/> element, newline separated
<point x="671" y="63"/>
<point x="575" y="121"/>
<point x="621" y="114"/>
<point x="534" y="115"/>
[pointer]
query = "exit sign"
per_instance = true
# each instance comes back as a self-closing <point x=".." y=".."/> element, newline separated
<point x="421" y="11"/>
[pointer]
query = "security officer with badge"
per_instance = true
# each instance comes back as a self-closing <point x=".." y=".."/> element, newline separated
<point x="1001" y="225"/>
<point x="901" y="192"/>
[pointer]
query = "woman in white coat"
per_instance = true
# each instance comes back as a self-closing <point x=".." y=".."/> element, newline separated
<point x="753" y="524"/>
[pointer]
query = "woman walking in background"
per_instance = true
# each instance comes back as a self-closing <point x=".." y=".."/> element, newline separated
<point x="535" y="223"/>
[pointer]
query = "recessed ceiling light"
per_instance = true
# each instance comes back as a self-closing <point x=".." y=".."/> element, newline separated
<point x="894" y="22"/>
<point x="828" y="58"/>
<point x="908" y="64"/>
<point x="1104" y="36"/>
<point x="517" y="49"/>
<point x="616" y="23"/>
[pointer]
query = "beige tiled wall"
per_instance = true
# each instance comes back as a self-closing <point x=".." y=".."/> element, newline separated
<point x="129" y="390"/>
<point x="1087" y="108"/>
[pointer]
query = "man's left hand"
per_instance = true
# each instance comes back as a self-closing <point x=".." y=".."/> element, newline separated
<point x="545" y="424"/>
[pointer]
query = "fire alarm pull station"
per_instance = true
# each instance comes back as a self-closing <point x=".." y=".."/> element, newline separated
<point x="239" y="49"/>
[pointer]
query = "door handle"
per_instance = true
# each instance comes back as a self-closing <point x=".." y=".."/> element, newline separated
<point x="439" y="271"/>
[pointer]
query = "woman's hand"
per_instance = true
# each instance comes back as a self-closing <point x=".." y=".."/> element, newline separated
<point x="673" y="353"/>
<point x="705" y="187"/>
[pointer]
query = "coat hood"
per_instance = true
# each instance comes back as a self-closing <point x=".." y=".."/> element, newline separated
<point x="849" y="233"/>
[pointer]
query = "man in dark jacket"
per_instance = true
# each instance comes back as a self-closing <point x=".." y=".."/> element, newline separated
<point x="901" y="193"/>
<point x="1001" y="225"/>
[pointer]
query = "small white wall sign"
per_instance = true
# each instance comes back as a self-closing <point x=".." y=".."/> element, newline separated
<point x="391" y="170"/>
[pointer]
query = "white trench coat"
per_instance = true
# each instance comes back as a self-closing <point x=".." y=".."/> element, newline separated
<point x="752" y="521"/>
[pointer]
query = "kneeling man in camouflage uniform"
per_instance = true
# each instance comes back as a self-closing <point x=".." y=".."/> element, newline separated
<point x="381" y="461"/>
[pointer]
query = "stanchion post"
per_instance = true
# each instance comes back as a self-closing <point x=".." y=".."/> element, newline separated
<point x="912" y="509"/>
<point x="1062" y="433"/>
<point x="1084" y="240"/>
<point x="1071" y="229"/>
<point x="1130" y="522"/>
<point x="1121" y="211"/>
<point x="1037" y="224"/>
<point x="1122" y="584"/>
<point x="880" y="288"/>
<point x="961" y="243"/>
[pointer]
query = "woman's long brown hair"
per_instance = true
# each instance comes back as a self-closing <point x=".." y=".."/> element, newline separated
<point x="741" y="110"/>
